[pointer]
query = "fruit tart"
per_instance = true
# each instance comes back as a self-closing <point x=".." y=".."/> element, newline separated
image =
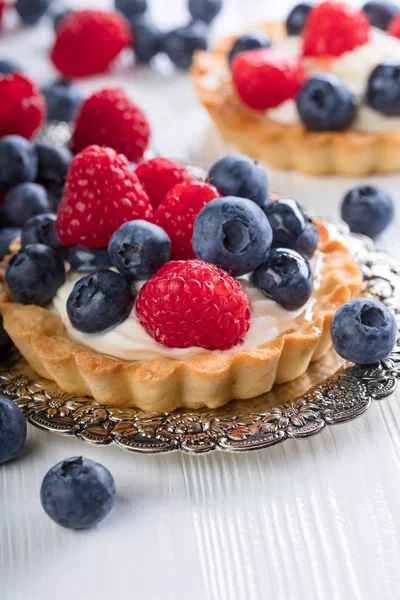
<point x="319" y="94"/>
<point x="186" y="300"/>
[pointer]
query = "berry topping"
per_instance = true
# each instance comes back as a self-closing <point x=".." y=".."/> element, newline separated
<point x="380" y="13"/>
<point x="110" y="118"/>
<point x="334" y="28"/>
<point x="325" y="103"/>
<point x="88" y="41"/>
<point x="178" y="211"/>
<point x="131" y="8"/>
<point x="88" y="260"/>
<point x="147" y="38"/>
<point x="297" y="18"/>
<point x="31" y="11"/>
<point x="291" y="228"/>
<point x="7" y="236"/>
<point x="12" y="430"/>
<point x="394" y="26"/>
<point x="54" y="195"/>
<point x="232" y="233"/>
<point x="54" y="162"/>
<point x="35" y="274"/>
<point x="78" y="493"/>
<point x="22" y="106"/>
<point x="181" y="43"/>
<point x="191" y="303"/>
<point x="9" y="66"/>
<point x="24" y="201"/>
<point x="100" y="195"/>
<point x="364" y="331"/>
<point x="285" y="277"/>
<point x="205" y="10"/>
<point x="367" y="209"/>
<point x="138" y="249"/>
<point x="18" y="161"/>
<point x="58" y="16"/>
<point x="251" y="41"/>
<point x="264" y="79"/>
<point x="62" y="99"/>
<point x="100" y="301"/>
<point x="41" y="230"/>
<point x="383" y="88"/>
<point x="241" y="176"/>
<point x="159" y="175"/>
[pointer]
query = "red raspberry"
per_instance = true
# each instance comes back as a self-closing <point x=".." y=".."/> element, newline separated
<point x="333" y="28"/>
<point x="264" y="78"/>
<point x="159" y="175"/>
<point x="178" y="211"/>
<point x="87" y="41"/>
<point x="193" y="303"/>
<point x="22" y="106"/>
<point x="2" y="7"/>
<point x="394" y="26"/>
<point x="100" y="194"/>
<point x="110" y="118"/>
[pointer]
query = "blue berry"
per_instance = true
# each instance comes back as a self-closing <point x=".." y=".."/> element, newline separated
<point x="100" y="301"/>
<point x="24" y="201"/>
<point x="364" y="331"/>
<point x="35" y="274"/>
<point x="297" y="18"/>
<point x="7" y="236"/>
<point x="8" y="66"/>
<point x="54" y="195"/>
<point x="181" y="43"/>
<point x="62" y="100"/>
<point x="325" y="103"/>
<point x="85" y="260"/>
<point x="78" y="493"/>
<point x="54" y="161"/>
<point x="41" y="230"/>
<point x="205" y="10"/>
<point x="367" y="209"/>
<point x="233" y="233"/>
<point x="138" y="249"/>
<point x="18" y="161"/>
<point x="5" y="343"/>
<point x="241" y="176"/>
<point x="251" y="41"/>
<point x="31" y="11"/>
<point x="147" y="39"/>
<point x="291" y="228"/>
<point x="285" y="277"/>
<point x="59" y="16"/>
<point x="131" y="8"/>
<point x="380" y="13"/>
<point x="383" y="88"/>
<point x="12" y="430"/>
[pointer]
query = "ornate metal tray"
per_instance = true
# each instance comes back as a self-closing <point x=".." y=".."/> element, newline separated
<point x="330" y="393"/>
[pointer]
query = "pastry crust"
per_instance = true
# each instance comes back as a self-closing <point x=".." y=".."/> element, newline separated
<point x="207" y="380"/>
<point x="287" y="146"/>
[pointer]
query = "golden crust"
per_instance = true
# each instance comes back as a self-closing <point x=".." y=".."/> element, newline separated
<point x="286" y="146"/>
<point x="165" y="384"/>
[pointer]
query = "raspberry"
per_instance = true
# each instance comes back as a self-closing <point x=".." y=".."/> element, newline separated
<point x="2" y="7"/>
<point x="333" y="28"/>
<point x="394" y="26"/>
<point x="193" y="303"/>
<point x="87" y="41"/>
<point x="264" y="79"/>
<point x="159" y="175"/>
<point x="22" y="106"/>
<point x="110" y="118"/>
<point x="100" y="194"/>
<point x="178" y="211"/>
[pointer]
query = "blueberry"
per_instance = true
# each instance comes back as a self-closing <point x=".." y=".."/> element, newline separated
<point x="85" y="260"/>
<point x="147" y="39"/>
<point x="31" y="11"/>
<point x="297" y="18"/>
<point x="241" y="176"/>
<point x="251" y="41"/>
<point x="59" y="16"/>
<point x="325" y="103"/>
<point x="54" y="195"/>
<point x="181" y="43"/>
<point x="34" y="274"/>
<point x="18" y="161"/>
<point x="63" y="98"/>
<point x="367" y="209"/>
<point x="285" y="277"/>
<point x="232" y="233"/>
<point x="5" y="343"/>
<point x="138" y="249"/>
<point x="383" y="88"/>
<point x="291" y="228"/>
<point x="364" y="331"/>
<point x="78" y="493"/>
<point x="8" y="66"/>
<point x="41" y="230"/>
<point x="307" y="241"/>
<point x="205" y="10"/>
<point x="100" y="301"/>
<point x="380" y="13"/>
<point x="24" y="201"/>
<point x="54" y="161"/>
<point x="12" y="430"/>
<point x="131" y="8"/>
<point x="7" y="236"/>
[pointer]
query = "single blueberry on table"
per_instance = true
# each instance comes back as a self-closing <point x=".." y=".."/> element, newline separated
<point x="251" y="41"/>
<point x="285" y="277"/>
<point x="31" y="11"/>
<point x="147" y="39"/>
<point x="63" y="98"/>
<point x="233" y="233"/>
<point x="131" y="8"/>
<point x="5" y="340"/>
<point x="383" y="88"/>
<point x="364" y="331"/>
<point x="35" y="274"/>
<point x="241" y="176"/>
<point x="297" y="18"/>
<point x="291" y="228"/>
<point x="88" y="260"/>
<point x="54" y="161"/>
<point x="380" y="13"/>
<point x="367" y="209"/>
<point x="8" y="66"/>
<point x="205" y="10"/>
<point x="7" y="236"/>
<point x="78" y="493"/>
<point x="12" y="430"/>
<point x="24" y="201"/>
<point x="100" y="301"/>
<point x="18" y="161"/>
<point x="181" y="43"/>
<point x="41" y="230"/>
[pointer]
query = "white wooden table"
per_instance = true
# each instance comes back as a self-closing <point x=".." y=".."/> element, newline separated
<point x="313" y="519"/>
